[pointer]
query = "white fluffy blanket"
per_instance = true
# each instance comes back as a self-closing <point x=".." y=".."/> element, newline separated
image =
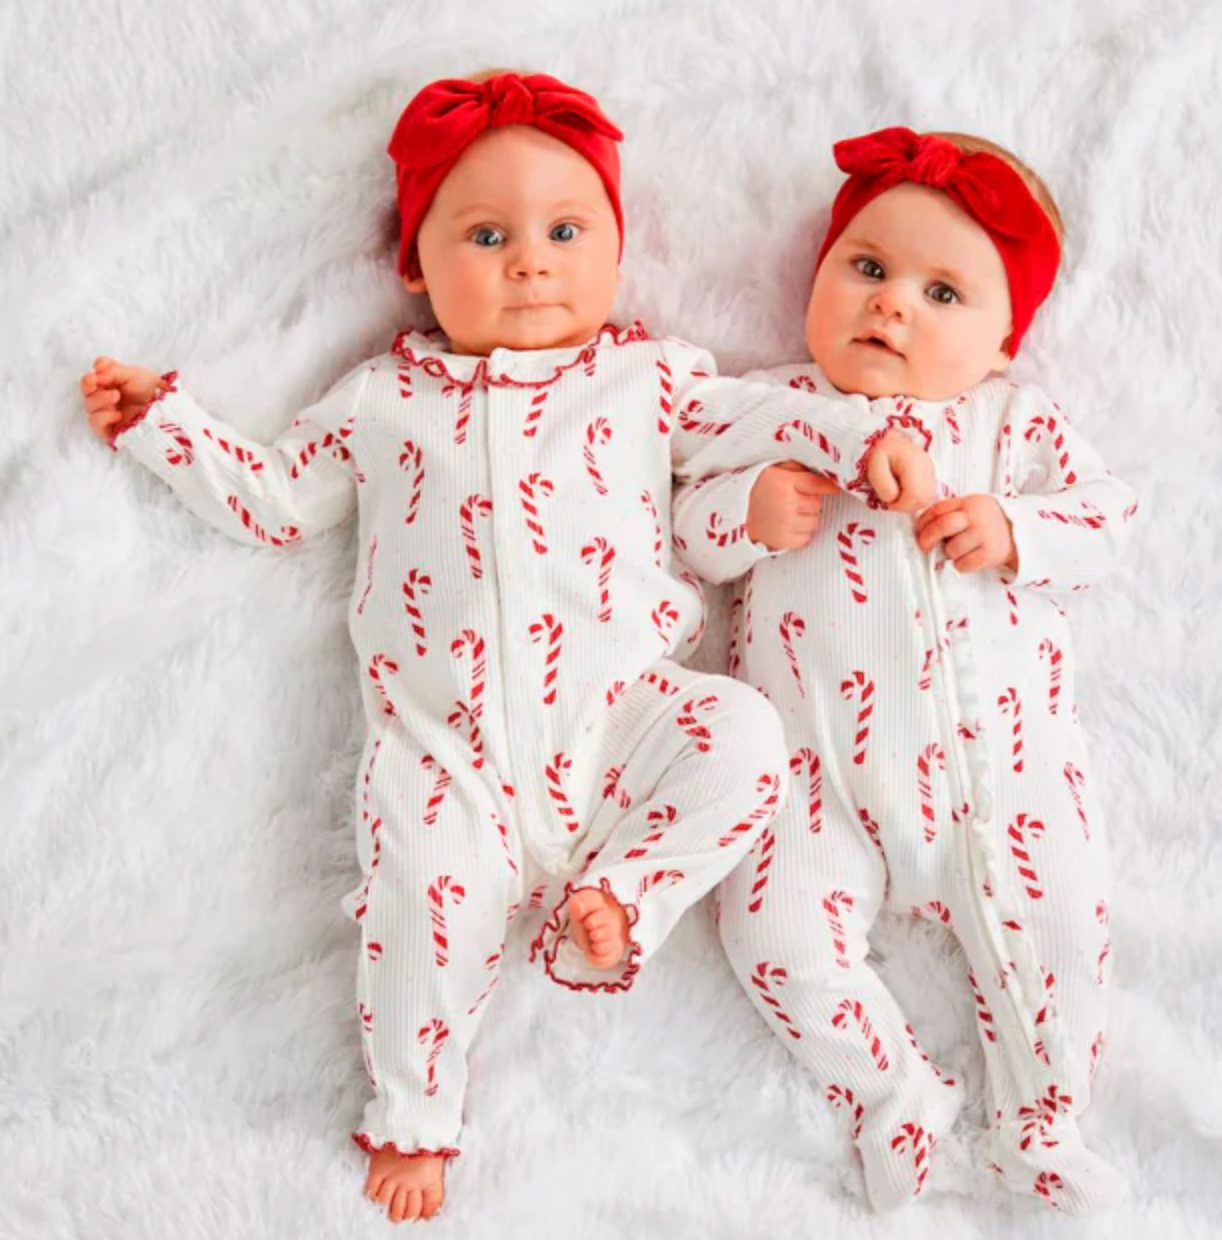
<point x="205" y="187"/>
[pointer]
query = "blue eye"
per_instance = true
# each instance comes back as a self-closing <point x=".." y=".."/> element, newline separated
<point x="869" y="268"/>
<point x="487" y="237"/>
<point x="943" y="294"/>
<point x="564" y="232"/>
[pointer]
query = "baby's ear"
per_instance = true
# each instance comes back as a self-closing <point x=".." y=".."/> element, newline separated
<point x="414" y="283"/>
<point x="1004" y="356"/>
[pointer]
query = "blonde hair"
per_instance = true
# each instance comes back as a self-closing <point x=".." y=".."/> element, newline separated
<point x="969" y="144"/>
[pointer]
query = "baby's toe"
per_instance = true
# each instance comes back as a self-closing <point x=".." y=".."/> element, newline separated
<point x="433" y="1197"/>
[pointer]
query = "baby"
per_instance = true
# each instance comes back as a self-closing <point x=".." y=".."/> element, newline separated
<point x="532" y="744"/>
<point x="925" y="677"/>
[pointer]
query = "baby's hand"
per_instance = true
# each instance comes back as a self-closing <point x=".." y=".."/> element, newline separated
<point x="114" y="394"/>
<point x="901" y="474"/>
<point x="784" y="509"/>
<point x="976" y="530"/>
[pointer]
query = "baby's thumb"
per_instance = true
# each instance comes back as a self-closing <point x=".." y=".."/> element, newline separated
<point x="881" y="477"/>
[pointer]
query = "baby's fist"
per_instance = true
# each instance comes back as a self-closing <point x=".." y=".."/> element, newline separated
<point x="114" y="394"/>
<point x="901" y="474"/>
<point x="785" y="506"/>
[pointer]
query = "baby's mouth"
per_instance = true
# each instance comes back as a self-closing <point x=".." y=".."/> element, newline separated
<point x="872" y="340"/>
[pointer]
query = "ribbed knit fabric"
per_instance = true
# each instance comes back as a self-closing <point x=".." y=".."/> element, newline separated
<point x="939" y="768"/>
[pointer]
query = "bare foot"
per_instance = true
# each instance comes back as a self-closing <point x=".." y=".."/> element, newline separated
<point x="600" y="927"/>
<point x="409" y="1188"/>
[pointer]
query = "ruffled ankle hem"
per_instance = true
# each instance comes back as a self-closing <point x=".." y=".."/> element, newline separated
<point x="372" y="1146"/>
<point x="564" y="962"/>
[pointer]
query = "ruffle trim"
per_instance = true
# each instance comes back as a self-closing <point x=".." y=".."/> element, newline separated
<point x="859" y="484"/>
<point x="552" y="927"/>
<point x="170" y="384"/>
<point x="370" y="1146"/>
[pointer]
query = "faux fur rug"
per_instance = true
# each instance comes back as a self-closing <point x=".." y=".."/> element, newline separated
<point x="205" y="187"/>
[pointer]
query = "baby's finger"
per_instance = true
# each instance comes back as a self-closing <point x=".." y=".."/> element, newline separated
<point x="934" y="511"/>
<point x="946" y="526"/>
<point x="103" y="363"/>
<point x="881" y="477"/>
<point x="814" y="484"/>
<point x="105" y="399"/>
<point x="972" y="562"/>
<point x="963" y="545"/>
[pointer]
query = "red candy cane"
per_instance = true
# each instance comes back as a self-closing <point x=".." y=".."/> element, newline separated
<point x="952" y="421"/>
<point x="243" y="456"/>
<point x="373" y="548"/>
<point x="472" y="506"/>
<point x="687" y="720"/>
<point x="666" y="397"/>
<point x="660" y="683"/>
<point x="1039" y="1117"/>
<point x="1011" y="704"/>
<point x="735" y="658"/>
<point x="724" y="538"/>
<point x="659" y="817"/>
<point x="1096" y="1053"/>
<point x="492" y="964"/>
<point x="1094" y="520"/>
<point x="1052" y="652"/>
<point x="1043" y="1016"/>
<point x="764" y="979"/>
<point x="864" y="536"/>
<point x="413" y="457"/>
<point x="1046" y="425"/>
<point x="770" y="785"/>
<point x="530" y="490"/>
<point x="405" y="382"/>
<point x="688" y="421"/>
<point x="932" y="755"/>
<point x="288" y="533"/>
<point x="470" y="641"/>
<point x="555" y="772"/>
<point x="785" y="434"/>
<point x="935" y="910"/>
<point x="835" y="903"/>
<point x="1047" y="1183"/>
<point x="441" y="785"/>
<point x="464" y="409"/>
<point x="860" y="688"/>
<point x="1013" y="601"/>
<point x="803" y="383"/>
<point x="1019" y="829"/>
<point x="809" y="759"/>
<point x="442" y="886"/>
<point x="920" y="1050"/>
<point x="377" y="665"/>
<point x="851" y="1009"/>
<point x="461" y="718"/>
<point x="872" y="828"/>
<point x="435" y="1034"/>
<point x="548" y="630"/>
<point x="616" y="692"/>
<point x="982" y="1011"/>
<point x="1102" y="916"/>
<point x="920" y="1143"/>
<point x="665" y="616"/>
<point x="691" y="580"/>
<point x="766" y="848"/>
<point x="652" y="509"/>
<point x="843" y="1099"/>
<point x="598" y="434"/>
<point x="612" y="790"/>
<point x="659" y="881"/>
<point x="535" y="412"/>
<point x="599" y="551"/>
<point x="1077" y="781"/>
<point x="418" y="585"/>
<point x="503" y="832"/>
<point x="793" y="626"/>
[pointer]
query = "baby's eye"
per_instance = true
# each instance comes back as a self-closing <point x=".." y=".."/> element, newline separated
<point x="564" y="232"/>
<point x="487" y="237"/>
<point x="943" y="294"/>
<point x="869" y="268"/>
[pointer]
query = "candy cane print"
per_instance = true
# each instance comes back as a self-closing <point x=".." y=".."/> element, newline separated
<point x="770" y="786"/>
<point x="793" y="626"/>
<point x="659" y="817"/>
<point x="851" y="1009"/>
<point x="814" y="774"/>
<point x="243" y="456"/>
<point x="843" y="1099"/>
<point x="599" y="551"/>
<point x="366" y="1017"/>
<point x="460" y="717"/>
<point x="550" y="632"/>
<point x="785" y="434"/>
<point x="1101" y="915"/>
<point x="735" y="658"/>
<point x="1052" y="652"/>
<point x="503" y="831"/>
<point x="374" y="951"/>
<point x="834" y="905"/>
<point x="435" y="1034"/>
<point x="441" y="785"/>
<point x="860" y="687"/>
<point x="555" y="772"/>
<point x="1094" y="520"/>
<point x="412" y="457"/>
<point x="464" y="409"/>
<point x="803" y="383"/>
<point x="472" y="506"/>
<point x="983" y="1015"/>
<point x="920" y="1143"/>
<point x="1130" y="512"/>
<point x="1047" y="1183"/>
<point x="724" y="538"/>
<point x="949" y="1081"/>
<point x="1076" y="781"/>
<point x="442" y="886"/>
<point x="660" y="683"/>
<point x="530" y="490"/>
<point x="377" y="665"/>
<point x="658" y="881"/>
<point x="405" y="382"/>
<point x="1013" y="601"/>
<point x="1011" y="704"/>
<point x="535" y="412"/>
<point x="932" y="755"/>
<point x="1045" y="425"/>
<point x="763" y="852"/>
<point x="288" y="533"/>
<point x="536" y="895"/>
<point x="417" y="585"/>
<point x="598" y="434"/>
<point x="658" y="541"/>
<point x="935" y="910"/>
<point x="925" y="680"/>
<point x="491" y="963"/>
<point x="664" y="616"/>
<point x="1018" y="832"/>
<point x="764" y="979"/>
<point x="872" y="829"/>
<point x="952" y="421"/>
<point x="690" y="724"/>
<point x="612" y="790"/>
<point x="1043" y="1016"/>
<point x="616" y="692"/>
<point x="666" y="397"/>
<point x="688" y="421"/>
<point x="470" y="641"/>
<point x="1096" y="1052"/>
<point x="362" y="900"/>
<point x="690" y="579"/>
<point x="373" y="548"/>
<point x="1039" y="1117"/>
<point x="864" y="536"/>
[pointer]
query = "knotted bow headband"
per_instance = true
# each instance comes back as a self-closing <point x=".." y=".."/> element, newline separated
<point x="444" y="119"/>
<point x="985" y="186"/>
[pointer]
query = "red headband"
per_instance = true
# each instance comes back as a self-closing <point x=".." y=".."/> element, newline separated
<point x="444" y="119"/>
<point x="986" y="187"/>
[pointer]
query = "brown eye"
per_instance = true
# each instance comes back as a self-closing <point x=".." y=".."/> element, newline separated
<point x="564" y="232"/>
<point x="943" y="294"/>
<point x="869" y="268"/>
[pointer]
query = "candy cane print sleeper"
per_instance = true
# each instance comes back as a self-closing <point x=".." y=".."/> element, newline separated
<point x="940" y="769"/>
<point x="516" y="612"/>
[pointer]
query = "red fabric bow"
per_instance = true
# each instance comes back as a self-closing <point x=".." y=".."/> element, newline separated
<point x="446" y="116"/>
<point x="986" y="187"/>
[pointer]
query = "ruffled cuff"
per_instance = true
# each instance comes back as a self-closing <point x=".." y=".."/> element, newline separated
<point x="371" y="1146"/>
<point x="564" y="961"/>
<point x="169" y="382"/>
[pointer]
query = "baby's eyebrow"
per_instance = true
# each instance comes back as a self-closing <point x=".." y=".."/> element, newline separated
<point x="864" y="243"/>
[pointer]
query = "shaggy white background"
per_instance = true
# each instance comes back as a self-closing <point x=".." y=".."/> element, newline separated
<point x="205" y="187"/>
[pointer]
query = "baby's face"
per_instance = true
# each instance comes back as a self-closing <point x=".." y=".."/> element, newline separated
<point x="520" y="248"/>
<point x="911" y="300"/>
